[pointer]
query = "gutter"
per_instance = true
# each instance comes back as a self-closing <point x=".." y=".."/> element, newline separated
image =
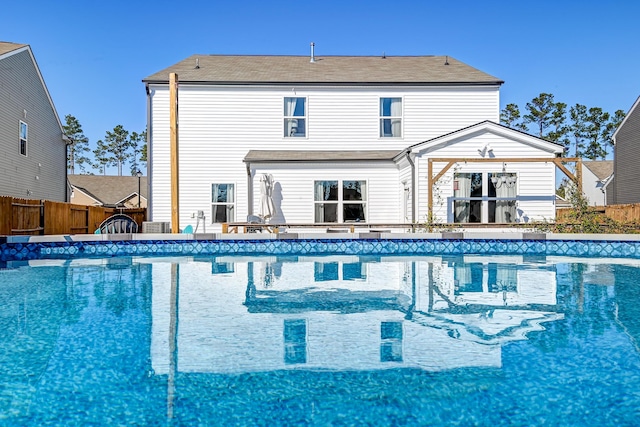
<point x="249" y="190"/>
<point x="413" y="186"/>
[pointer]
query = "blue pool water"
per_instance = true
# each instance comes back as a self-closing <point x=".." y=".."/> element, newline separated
<point x="335" y="340"/>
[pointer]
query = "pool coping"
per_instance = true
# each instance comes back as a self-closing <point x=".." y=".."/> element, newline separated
<point x="485" y="235"/>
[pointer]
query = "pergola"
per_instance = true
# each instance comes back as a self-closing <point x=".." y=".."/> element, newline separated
<point x="450" y="161"/>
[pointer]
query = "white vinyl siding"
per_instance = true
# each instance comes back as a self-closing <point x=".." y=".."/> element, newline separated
<point x="294" y="189"/>
<point x="215" y="136"/>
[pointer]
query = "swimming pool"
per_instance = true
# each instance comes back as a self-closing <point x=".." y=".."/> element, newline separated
<point x="320" y="337"/>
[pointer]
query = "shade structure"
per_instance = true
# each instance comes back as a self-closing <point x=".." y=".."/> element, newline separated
<point x="267" y="207"/>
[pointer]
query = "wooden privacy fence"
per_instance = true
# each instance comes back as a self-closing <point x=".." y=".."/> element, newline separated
<point x="45" y="217"/>
<point x="621" y="213"/>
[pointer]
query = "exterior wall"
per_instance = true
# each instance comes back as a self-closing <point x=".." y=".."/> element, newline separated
<point x="535" y="181"/>
<point x="592" y="188"/>
<point x="41" y="174"/>
<point x="219" y="125"/>
<point x="625" y="159"/>
<point x="294" y="190"/>
<point x="79" y="198"/>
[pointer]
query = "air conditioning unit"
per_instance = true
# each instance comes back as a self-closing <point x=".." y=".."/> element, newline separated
<point x="152" y="227"/>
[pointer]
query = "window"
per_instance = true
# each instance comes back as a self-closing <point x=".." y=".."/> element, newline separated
<point x="23" y="138"/>
<point x="295" y="117"/>
<point x="340" y="201"/>
<point x="222" y="202"/>
<point x="490" y="196"/>
<point x="465" y="187"/>
<point x="391" y="117"/>
<point x="391" y="341"/>
<point x="295" y="341"/>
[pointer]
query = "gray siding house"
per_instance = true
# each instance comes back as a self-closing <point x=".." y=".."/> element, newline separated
<point x="625" y="187"/>
<point x="33" y="152"/>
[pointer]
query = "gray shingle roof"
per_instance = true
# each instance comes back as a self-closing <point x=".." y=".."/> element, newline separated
<point x="6" y="47"/>
<point x="409" y="70"/>
<point x="602" y="168"/>
<point x="257" y="156"/>
<point x="109" y="189"/>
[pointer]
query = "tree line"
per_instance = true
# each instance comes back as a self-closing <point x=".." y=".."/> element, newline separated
<point x="585" y="132"/>
<point x="118" y="148"/>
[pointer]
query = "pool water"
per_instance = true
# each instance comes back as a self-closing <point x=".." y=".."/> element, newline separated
<point x="321" y="341"/>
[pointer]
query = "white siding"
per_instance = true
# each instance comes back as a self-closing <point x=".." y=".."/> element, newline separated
<point x="219" y="125"/>
<point x="591" y="188"/>
<point x="535" y="184"/>
<point x="293" y="189"/>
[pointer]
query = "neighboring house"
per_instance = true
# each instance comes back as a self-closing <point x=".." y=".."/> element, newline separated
<point x="108" y="191"/>
<point x="596" y="179"/>
<point x="343" y="139"/>
<point x="625" y="187"/>
<point x="33" y="160"/>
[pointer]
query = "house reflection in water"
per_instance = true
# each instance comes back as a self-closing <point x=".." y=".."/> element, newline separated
<point x="251" y="314"/>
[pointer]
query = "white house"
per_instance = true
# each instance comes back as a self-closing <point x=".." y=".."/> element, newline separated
<point x="596" y="179"/>
<point x="342" y="139"/>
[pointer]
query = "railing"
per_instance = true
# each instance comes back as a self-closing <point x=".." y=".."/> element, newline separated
<point x="45" y="217"/>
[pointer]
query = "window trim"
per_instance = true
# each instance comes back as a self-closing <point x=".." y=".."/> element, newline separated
<point x="381" y="118"/>
<point x="340" y="202"/>
<point x="232" y="203"/>
<point x="294" y="117"/>
<point x="25" y="139"/>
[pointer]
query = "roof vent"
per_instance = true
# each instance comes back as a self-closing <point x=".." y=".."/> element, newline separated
<point x="313" y="55"/>
<point x="446" y="60"/>
<point x="384" y="56"/>
<point x="197" y="63"/>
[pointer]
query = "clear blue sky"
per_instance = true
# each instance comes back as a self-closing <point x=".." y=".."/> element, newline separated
<point x="93" y="55"/>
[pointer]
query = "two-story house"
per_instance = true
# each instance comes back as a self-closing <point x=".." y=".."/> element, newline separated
<point x="341" y="139"/>
<point x="625" y="187"/>
<point x="33" y="163"/>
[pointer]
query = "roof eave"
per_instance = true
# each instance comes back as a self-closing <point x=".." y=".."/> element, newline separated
<point x="317" y="83"/>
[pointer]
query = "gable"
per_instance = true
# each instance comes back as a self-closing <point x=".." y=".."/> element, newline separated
<point x="631" y="120"/>
<point x="10" y="49"/>
<point x="109" y="190"/>
<point x="487" y="140"/>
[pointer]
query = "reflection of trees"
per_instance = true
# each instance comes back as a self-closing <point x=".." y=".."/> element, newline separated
<point x="628" y="300"/>
<point x="30" y="318"/>
<point x="123" y="287"/>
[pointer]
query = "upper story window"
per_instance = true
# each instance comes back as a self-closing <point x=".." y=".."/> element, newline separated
<point x="222" y="203"/>
<point x="23" y="138"/>
<point x="390" y="117"/>
<point x="295" y="117"/>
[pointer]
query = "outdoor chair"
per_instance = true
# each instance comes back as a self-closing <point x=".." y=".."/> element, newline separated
<point x="118" y="223"/>
<point x="254" y="219"/>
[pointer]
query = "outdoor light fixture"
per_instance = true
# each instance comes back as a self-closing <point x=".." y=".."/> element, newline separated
<point x="503" y="178"/>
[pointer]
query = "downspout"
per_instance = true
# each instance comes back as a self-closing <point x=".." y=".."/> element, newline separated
<point x="413" y="186"/>
<point x="149" y="157"/>
<point x="249" y="190"/>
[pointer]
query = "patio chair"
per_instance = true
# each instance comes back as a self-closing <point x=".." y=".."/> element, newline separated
<point x="254" y="219"/>
<point x="118" y="223"/>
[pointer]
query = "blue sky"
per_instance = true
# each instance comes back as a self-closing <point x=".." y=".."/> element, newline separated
<point x="93" y="55"/>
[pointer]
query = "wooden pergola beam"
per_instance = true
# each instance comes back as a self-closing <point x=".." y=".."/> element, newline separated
<point x="173" y="126"/>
